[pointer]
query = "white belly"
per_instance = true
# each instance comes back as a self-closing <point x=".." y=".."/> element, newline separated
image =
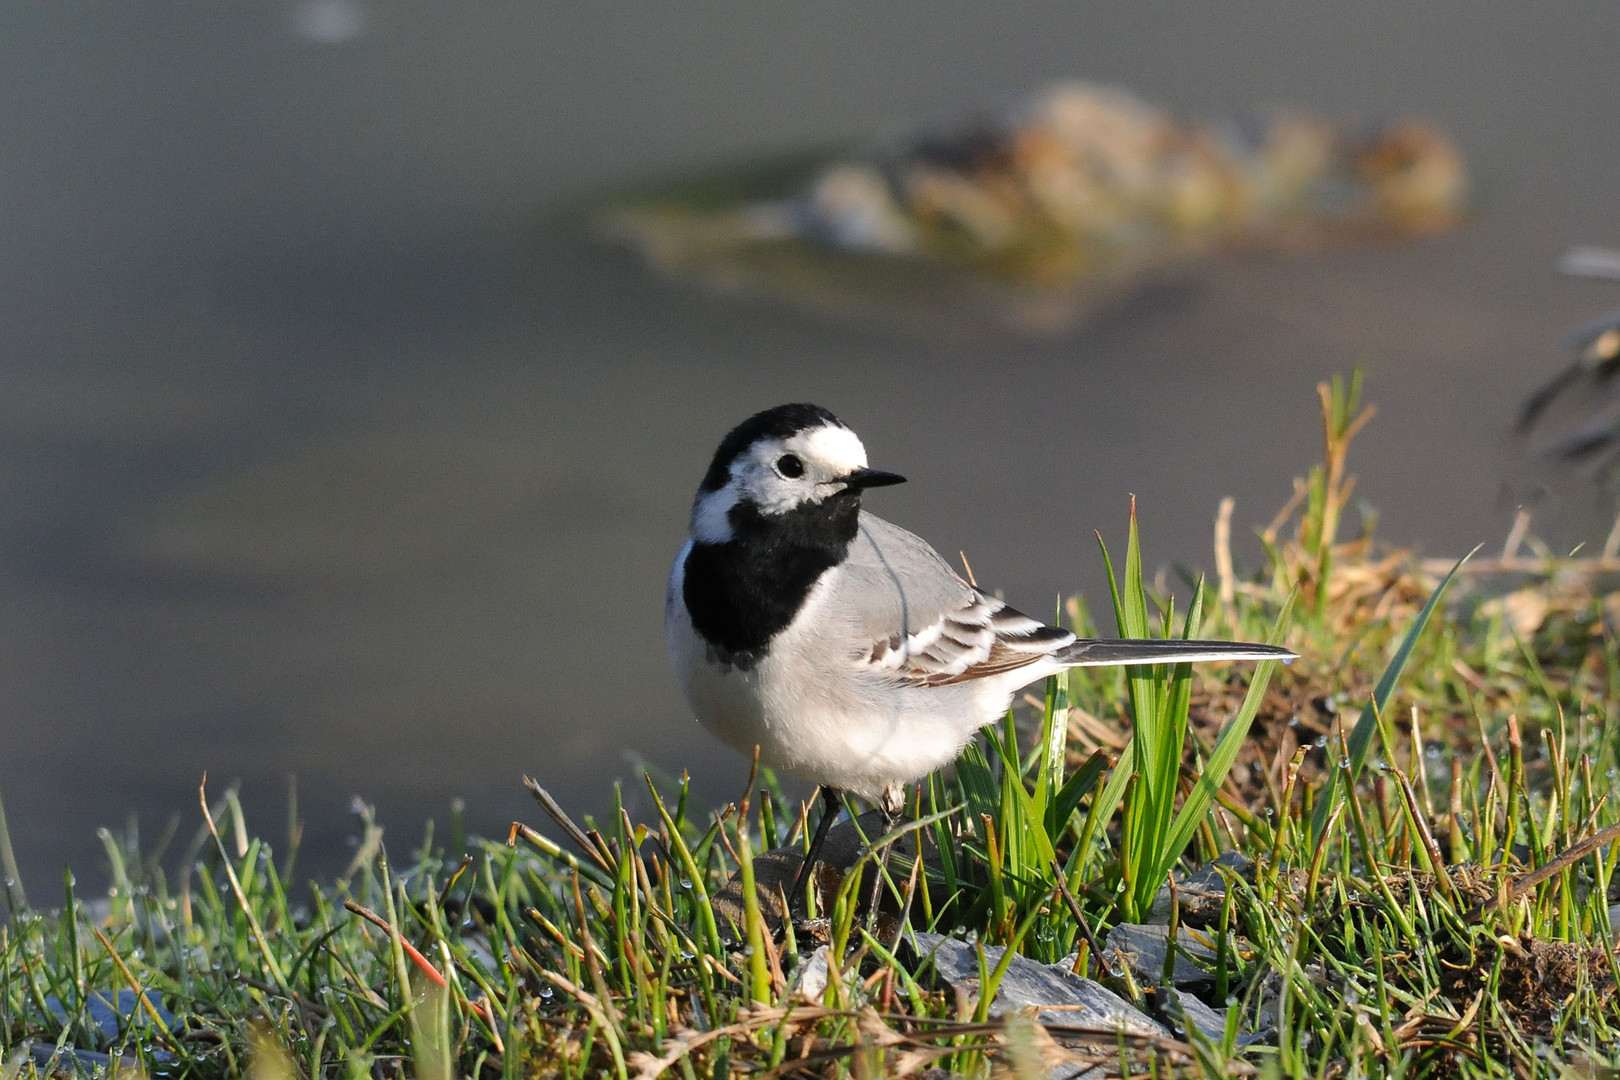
<point x="822" y="716"/>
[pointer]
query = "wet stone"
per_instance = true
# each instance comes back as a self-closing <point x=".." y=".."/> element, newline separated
<point x="1192" y="1013"/>
<point x="1060" y="998"/>
<point x="1142" y="947"/>
<point x="114" y="1011"/>
<point x="1201" y="895"/>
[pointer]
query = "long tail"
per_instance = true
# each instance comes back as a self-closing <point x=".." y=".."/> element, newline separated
<point x="1112" y="652"/>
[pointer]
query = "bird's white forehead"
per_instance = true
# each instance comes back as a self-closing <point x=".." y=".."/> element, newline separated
<point x="830" y="452"/>
<point x="831" y="445"/>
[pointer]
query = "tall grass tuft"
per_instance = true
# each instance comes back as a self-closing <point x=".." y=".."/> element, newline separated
<point x="1147" y="778"/>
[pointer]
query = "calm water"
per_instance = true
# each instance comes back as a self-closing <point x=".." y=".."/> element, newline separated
<point x="321" y="453"/>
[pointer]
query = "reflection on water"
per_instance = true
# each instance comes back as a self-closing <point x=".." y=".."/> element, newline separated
<point x="319" y="455"/>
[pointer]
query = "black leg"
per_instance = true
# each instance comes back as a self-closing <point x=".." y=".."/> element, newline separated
<point x="831" y="800"/>
<point x="891" y="805"/>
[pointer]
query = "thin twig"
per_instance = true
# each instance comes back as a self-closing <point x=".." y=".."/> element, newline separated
<point x="1565" y="859"/>
<point x="140" y="993"/>
<point x="422" y="962"/>
<point x="565" y="823"/>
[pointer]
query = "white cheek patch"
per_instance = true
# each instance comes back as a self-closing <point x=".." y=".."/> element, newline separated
<point x="828" y="452"/>
<point x="772" y="494"/>
<point x="711" y="521"/>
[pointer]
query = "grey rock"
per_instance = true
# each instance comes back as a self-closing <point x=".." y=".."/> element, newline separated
<point x="1077" y="1071"/>
<point x="1061" y="998"/>
<point x="1189" y="1012"/>
<point x="1142" y="947"/>
<point x="1201" y="894"/>
<point x="114" y="1011"/>
<point x="1192" y="1014"/>
<point x="809" y="979"/>
<point x="52" y="1060"/>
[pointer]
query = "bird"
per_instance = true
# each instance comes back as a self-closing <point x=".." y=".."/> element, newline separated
<point x="842" y="647"/>
<point x="1576" y="414"/>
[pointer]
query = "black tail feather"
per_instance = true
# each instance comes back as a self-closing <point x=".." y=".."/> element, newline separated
<point x="1112" y="652"/>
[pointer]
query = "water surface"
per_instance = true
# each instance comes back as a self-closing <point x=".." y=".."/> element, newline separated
<point x="327" y="448"/>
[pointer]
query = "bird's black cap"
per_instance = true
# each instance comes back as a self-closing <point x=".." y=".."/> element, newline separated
<point x="784" y="421"/>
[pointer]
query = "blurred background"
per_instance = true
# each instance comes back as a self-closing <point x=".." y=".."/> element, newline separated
<point x="333" y="442"/>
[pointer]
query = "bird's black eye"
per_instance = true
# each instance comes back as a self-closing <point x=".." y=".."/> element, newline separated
<point x="790" y="466"/>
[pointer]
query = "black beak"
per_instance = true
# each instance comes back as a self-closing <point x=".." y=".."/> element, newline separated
<point x="871" y="478"/>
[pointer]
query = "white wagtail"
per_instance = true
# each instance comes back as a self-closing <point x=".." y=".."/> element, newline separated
<point x="842" y="646"/>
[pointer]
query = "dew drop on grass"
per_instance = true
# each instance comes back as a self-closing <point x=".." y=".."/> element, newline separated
<point x="686" y="883"/>
<point x="1351" y="997"/>
<point x="1231" y="1000"/>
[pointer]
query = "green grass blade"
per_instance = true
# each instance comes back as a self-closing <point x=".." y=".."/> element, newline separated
<point x="977" y="782"/>
<point x="1114" y="790"/>
<point x="1362" y="734"/>
<point x="689" y="867"/>
<point x="1054" y="742"/>
<point x="1068" y="798"/>
<point x="1224" y="754"/>
<point x="1029" y="848"/>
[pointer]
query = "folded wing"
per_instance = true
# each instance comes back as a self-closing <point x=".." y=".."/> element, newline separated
<point x="930" y="628"/>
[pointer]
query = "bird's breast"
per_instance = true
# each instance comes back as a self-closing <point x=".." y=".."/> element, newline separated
<point x="743" y="592"/>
